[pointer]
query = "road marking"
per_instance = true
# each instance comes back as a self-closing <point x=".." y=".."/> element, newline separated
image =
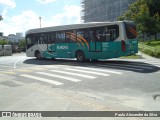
<point x="121" y="67"/>
<point x="42" y="79"/>
<point x="59" y="76"/>
<point x="23" y="70"/>
<point x="8" y="72"/>
<point x="38" y="68"/>
<point x="100" y="70"/>
<point x="18" y="61"/>
<point x="49" y="66"/>
<point x="84" y="71"/>
<point x="75" y="74"/>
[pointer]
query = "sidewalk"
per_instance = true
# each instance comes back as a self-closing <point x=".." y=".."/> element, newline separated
<point x="144" y="56"/>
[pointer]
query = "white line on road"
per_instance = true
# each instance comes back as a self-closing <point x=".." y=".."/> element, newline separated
<point x="59" y="76"/>
<point x="50" y="66"/>
<point x="100" y="70"/>
<point x="120" y="67"/>
<point x="85" y="71"/>
<point x="42" y="79"/>
<point x="75" y="74"/>
<point x="18" y="61"/>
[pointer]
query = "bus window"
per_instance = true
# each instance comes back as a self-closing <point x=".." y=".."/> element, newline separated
<point x="130" y="30"/>
<point x="71" y="36"/>
<point x="51" y="38"/>
<point x="29" y="41"/>
<point x="100" y="35"/>
<point x="111" y="33"/>
<point x="92" y="34"/>
<point x="86" y="34"/>
<point x="60" y="37"/>
<point x="80" y="35"/>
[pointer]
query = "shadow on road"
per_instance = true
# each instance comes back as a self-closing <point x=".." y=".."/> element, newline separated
<point x="134" y="66"/>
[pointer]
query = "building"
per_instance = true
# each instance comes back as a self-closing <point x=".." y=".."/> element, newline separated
<point x="15" y="38"/>
<point x="103" y="10"/>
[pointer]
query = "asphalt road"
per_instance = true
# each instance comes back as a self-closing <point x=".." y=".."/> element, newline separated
<point x="65" y="85"/>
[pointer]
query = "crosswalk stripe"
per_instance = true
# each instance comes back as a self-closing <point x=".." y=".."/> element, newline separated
<point x="84" y="71"/>
<point x="42" y="79"/>
<point x="8" y="72"/>
<point x="38" y="68"/>
<point x="75" y="74"/>
<point x="100" y="70"/>
<point x="23" y="70"/>
<point x="59" y="76"/>
<point x="50" y="66"/>
<point x="121" y="67"/>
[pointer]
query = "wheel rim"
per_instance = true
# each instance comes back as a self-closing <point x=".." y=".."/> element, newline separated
<point x="80" y="57"/>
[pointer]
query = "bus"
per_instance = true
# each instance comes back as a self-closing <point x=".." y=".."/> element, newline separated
<point x="87" y="41"/>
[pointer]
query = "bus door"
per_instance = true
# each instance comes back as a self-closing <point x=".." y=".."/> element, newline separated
<point x="95" y="40"/>
<point x="51" y="43"/>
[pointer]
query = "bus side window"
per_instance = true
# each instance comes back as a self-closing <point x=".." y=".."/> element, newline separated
<point x="112" y="33"/>
<point x="71" y="36"/>
<point x="60" y="37"/>
<point x="35" y="40"/>
<point x="100" y="35"/>
<point x="92" y="34"/>
<point x="80" y="36"/>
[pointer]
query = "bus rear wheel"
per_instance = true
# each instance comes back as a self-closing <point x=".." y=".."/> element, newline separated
<point x="38" y="55"/>
<point x="80" y="56"/>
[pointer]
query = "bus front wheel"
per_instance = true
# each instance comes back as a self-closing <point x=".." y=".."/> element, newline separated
<point x="38" y="55"/>
<point x="80" y="56"/>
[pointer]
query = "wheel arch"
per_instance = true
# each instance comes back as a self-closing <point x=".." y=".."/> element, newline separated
<point x="79" y="51"/>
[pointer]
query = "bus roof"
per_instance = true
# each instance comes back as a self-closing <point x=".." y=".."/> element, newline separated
<point x="70" y="27"/>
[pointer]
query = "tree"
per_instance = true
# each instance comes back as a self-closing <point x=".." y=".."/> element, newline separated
<point x="22" y="43"/>
<point x="143" y="13"/>
<point x="3" y="42"/>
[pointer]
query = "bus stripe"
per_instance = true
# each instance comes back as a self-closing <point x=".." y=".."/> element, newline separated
<point x="75" y="74"/>
<point x="85" y="71"/>
<point x="59" y="76"/>
<point x="42" y="79"/>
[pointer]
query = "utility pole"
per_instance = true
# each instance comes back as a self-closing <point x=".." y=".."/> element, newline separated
<point x="40" y="20"/>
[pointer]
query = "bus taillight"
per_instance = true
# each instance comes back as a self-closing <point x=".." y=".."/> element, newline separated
<point x="123" y="45"/>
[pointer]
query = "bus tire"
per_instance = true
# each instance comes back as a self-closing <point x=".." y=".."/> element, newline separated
<point x="80" y="56"/>
<point x="38" y="55"/>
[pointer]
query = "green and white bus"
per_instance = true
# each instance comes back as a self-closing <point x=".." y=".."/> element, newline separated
<point x="87" y="41"/>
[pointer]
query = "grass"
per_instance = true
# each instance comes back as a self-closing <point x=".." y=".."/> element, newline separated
<point x="151" y="48"/>
<point x="131" y="57"/>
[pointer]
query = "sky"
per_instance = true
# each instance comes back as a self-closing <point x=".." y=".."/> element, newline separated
<point x="22" y="15"/>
